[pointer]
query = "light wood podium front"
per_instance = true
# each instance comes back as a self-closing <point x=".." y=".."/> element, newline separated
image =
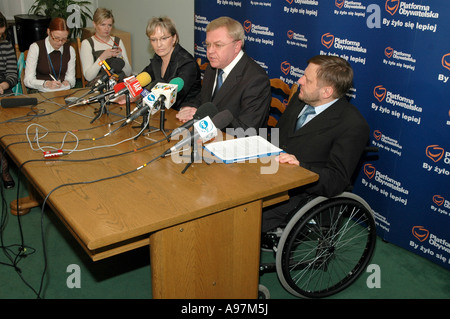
<point x="203" y="226"/>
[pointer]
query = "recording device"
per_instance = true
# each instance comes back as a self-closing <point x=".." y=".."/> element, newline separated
<point x="17" y="102"/>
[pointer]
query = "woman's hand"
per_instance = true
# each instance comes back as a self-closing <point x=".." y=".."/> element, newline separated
<point x="110" y="53"/>
<point x="52" y="84"/>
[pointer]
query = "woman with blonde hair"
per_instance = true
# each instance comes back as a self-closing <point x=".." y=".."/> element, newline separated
<point x="171" y="60"/>
<point x="102" y="47"/>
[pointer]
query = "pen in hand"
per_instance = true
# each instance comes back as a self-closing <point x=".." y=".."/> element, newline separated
<point x="55" y="80"/>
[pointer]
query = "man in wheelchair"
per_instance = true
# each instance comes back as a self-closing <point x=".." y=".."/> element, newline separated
<point x="322" y="132"/>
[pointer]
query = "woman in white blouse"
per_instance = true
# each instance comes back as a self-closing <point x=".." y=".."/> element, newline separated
<point x="102" y="46"/>
<point x="50" y="64"/>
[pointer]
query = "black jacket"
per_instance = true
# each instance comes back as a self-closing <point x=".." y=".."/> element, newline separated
<point x="182" y="65"/>
<point x="330" y="144"/>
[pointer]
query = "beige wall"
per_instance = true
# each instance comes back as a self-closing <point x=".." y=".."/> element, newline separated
<point x="133" y="15"/>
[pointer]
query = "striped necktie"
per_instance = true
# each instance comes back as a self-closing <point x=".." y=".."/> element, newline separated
<point x="301" y="120"/>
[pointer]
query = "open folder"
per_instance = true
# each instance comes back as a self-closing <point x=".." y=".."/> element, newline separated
<point x="242" y="149"/>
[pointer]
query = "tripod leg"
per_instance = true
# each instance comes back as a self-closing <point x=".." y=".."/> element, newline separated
<point x="100" y="110"/>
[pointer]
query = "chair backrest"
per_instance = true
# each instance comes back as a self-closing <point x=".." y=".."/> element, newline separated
<point x="202" y="66"/>
<point x="281" y="95"/>
<point x="21" y="62"/>
<point x="78" y="52"/>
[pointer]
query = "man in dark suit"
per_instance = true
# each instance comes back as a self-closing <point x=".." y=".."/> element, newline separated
<point x="244" y="94"/>
<point x="329" y="142"/>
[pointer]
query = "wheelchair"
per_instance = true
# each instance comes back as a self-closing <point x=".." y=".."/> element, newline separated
<point x="324" y="247"/>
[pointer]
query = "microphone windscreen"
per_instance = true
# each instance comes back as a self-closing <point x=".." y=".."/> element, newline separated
<point x="117" y="65"/>
<point x="207" y="109"/>
<point x="179" y="82"/>
<point x="119" y="86"/>
<point x="144" y="79"/>
<point x="222" y="119"/>
<point x="17" y="102"/>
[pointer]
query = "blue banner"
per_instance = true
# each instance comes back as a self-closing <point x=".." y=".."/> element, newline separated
<point x="400" y="54"/>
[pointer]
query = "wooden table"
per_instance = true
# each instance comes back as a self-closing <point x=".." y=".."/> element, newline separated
<point x="203" y="227"/>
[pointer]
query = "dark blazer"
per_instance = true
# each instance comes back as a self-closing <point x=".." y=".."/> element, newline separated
<point x="245" y="93"/>
<point x="182" y="65"/>
<point x="330" y="145"/>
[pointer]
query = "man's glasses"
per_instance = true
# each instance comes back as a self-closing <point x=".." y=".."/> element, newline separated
<point x="217" y="46"/>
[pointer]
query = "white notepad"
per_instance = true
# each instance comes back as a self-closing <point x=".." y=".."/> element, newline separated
<point x="242" y="149"/>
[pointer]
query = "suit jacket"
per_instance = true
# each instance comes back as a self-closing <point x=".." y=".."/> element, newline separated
<point x="245" y="93"/>
<point x="331" y="144"/>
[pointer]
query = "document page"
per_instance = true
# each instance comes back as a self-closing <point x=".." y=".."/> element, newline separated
<point x="241" y="149"/>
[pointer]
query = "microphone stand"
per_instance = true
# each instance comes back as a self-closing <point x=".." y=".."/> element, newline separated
<point x="194" y="154"/>
<point x="162" y="120"/>
<point x="127" y="104"/>
<point x="145" y="124"/>
<point x="102" y="109"/>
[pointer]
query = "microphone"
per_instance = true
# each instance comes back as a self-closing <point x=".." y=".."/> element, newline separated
<point x="222" y="119"/>
<point x="205" y="129"/>
<point x="143" y="79"/>
<point x="151" y="101"/>
<point x="146" y="104"/>
<point x="167" y="92"/>
<point x="134" y="85"/>
<point x="17" y="102"/>
<point x="207" y="109"/>
<point x="118" y="87"/>
<point x="109" y="71"/>
<point x="138" y="111"/>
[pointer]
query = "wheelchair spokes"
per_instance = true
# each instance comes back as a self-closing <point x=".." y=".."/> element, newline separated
<point x="327" y="248"/>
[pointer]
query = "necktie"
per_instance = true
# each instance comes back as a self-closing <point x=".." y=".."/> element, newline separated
<point x="218" y="82"/>
<point x="301" y="120"/>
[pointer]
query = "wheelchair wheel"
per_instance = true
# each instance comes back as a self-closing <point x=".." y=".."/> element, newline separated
<point x="263" y="292"/>
<point x="324" y="249"/>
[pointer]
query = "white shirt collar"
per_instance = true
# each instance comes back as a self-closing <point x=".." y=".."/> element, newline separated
<point x="49" y="47"/>
<point x="230" y="66"/>
<point x="323" y="107"/>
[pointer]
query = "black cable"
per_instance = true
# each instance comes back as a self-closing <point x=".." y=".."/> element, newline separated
<point x="23" y="248"/>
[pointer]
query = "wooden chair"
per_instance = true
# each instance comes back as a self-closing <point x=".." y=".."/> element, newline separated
<point x="21" y="68"/>
<point x="78" y="51"/>
<point x="200" y="65"/>
<point x="281" y="95"/>
<point x="278" y="105"/>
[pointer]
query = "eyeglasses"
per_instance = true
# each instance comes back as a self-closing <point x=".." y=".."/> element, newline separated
<point x="217" y="46"/>
<point x="62" y="40"/>
<point x="162" y="39"/>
